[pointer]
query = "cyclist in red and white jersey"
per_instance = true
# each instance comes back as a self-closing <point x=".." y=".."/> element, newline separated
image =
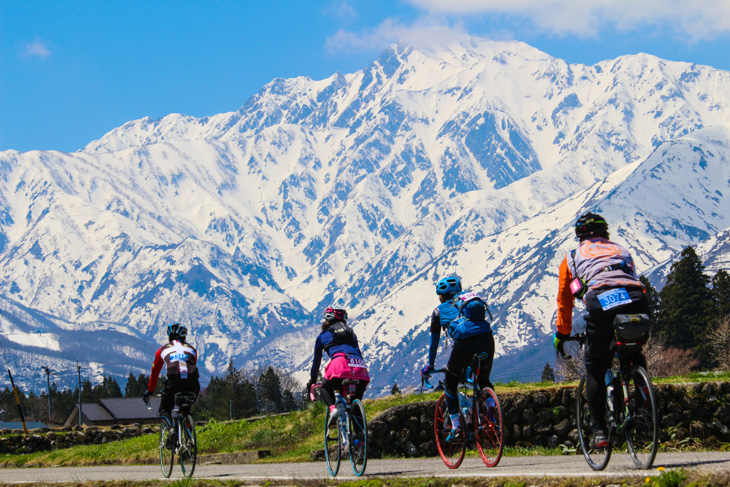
<point x="181" y="359"/>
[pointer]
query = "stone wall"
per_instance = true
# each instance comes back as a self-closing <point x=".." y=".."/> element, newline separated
<point x="547" y="418"/>
<point x="45" y="439"/>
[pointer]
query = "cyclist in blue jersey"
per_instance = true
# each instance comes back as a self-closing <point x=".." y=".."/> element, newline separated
<point x="463" y="316"/>
<point x="346" y="362"/>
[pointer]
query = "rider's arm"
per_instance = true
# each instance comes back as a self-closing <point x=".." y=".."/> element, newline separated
<point x="156" y="369"/>
<point x="565" y="299"/>
<point x="317" y="361"/>
<point x="435" y="336"/>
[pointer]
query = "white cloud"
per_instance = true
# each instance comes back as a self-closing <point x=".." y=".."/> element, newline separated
<point x="35" y="49"/>
<point x="341" y="9"/>
<point x="694" y="19"/>
<point x="423" y="33"/>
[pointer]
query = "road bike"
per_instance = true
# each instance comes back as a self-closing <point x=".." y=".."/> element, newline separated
<point x="480" y="416"/>
<point x="179" y="437"/>
<point x="345" y="428"/>
<point x="631" y="406"/>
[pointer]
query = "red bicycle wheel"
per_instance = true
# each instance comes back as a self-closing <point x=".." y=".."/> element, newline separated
<point x="451" y="450"/>
<point x="488" y="429"/>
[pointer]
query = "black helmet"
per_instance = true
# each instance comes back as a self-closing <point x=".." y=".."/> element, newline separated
<point x="448" y="285"/>
<point x="589" y="225"/>
<point x="177" y="331"/>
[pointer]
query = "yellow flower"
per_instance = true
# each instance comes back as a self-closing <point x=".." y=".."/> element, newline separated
<point x="647" y="480"/>
<point x="661" y="469"/>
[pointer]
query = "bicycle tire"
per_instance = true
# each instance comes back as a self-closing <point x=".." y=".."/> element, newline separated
<point x="167" y="456"/>
<point x="597" y="458"/>
<point x="642" y="425"/>
<point x="332" y="442"/>
<point x="358" y="437"/>
<point x="488" y="429"/>
<point x="451" y="452"/>
<point x="188" y="452"/>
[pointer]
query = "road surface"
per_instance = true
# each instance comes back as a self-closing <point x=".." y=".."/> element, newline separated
<point x="526" y="466"/>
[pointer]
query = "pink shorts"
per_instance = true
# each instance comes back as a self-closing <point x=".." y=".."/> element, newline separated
<point x="343" y="367"/>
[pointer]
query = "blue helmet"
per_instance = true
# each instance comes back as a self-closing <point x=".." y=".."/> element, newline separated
<point x="448" y="285"/>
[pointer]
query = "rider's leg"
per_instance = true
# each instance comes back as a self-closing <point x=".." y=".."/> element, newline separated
<point x="485" y="343"/>
<point x="328" y="391"/>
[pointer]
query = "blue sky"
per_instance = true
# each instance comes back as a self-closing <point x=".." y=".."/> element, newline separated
<point x="72" y="70"/>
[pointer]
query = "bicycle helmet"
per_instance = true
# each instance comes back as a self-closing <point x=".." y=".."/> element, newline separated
<point x="335" y="314"/>
<point x="448" y="285"/>
<point x="589" y="225"/>
<point x="177" y="331"/>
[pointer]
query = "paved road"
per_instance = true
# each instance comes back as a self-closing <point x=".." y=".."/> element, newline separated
<point x="533" y="466"/>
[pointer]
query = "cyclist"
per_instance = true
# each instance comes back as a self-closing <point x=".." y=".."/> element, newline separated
<point x="601" y="273"/>
<point x="346" y="362"/>
<point x="180" y="358"/>
<point x="462" y="315"/>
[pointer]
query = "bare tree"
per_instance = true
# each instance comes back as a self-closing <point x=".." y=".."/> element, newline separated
<point x="719" y="337"/>
<point x="664" y="361"/>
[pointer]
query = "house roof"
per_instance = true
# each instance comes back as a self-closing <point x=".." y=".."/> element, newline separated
<point x="95" y="412"/>
<point x="126" y="408"/>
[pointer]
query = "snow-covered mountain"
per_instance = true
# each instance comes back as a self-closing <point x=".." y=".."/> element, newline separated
<point x="360" y="190"/>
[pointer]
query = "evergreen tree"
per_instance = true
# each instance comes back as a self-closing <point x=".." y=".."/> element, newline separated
<point x="652" y="296"/>
<point x="686" y="306"/>
<point x="721" y="293"/>
<point x="270" y="397"/>
<point x="547" y="374"/>
<point x="395" y="390"/>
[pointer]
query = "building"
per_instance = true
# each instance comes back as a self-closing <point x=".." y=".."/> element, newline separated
<point x="116" y="410"/>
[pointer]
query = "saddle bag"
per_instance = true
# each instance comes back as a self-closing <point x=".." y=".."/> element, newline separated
<point x="632" y="329"/>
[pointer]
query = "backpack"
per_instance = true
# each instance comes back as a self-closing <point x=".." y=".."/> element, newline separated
<point x="341" y="334"/>
<point x="471" y="320"/>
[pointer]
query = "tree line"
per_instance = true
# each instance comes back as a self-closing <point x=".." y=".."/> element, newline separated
<point x="235" y="395"/>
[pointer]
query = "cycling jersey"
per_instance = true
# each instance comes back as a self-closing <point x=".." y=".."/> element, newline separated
<point x="323" y="343"/>
<point x="601" y="264"/>
<point x="180" y="358"/>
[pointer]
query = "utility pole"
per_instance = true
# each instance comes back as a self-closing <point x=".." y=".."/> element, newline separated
<point x="48" y="381"/>
<point x="78" y="367"/>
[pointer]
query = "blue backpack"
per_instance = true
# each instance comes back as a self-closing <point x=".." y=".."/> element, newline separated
<point x="472" y="317"/>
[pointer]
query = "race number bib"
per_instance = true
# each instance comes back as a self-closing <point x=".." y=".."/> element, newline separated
<point x="356" y="363"/>
<point x="614" y="297"/>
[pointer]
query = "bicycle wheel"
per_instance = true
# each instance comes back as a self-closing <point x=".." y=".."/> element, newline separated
<point x="488" y="428"/>
<point x="167" y="455"/>
<point x="597" y="458"/>
<point x="332" y="442"/>
<point x="452" y="451"/>
<point x="358" y="437"/>
<point x="188" y="452"/>
<point x="642" y="430"/>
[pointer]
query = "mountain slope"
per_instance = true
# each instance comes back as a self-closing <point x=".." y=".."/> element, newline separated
<point x="360" y="190"/>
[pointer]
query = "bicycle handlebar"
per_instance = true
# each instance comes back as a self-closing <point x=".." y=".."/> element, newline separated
<point x="311" y="391"/>
<point x="581" y="338"/>
<point x="425" y="377"/>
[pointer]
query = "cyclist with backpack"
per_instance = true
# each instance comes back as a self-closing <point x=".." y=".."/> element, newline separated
<point x="463" y="316"/>
<point x="346" y="362"/>
<point x="181" y="359"/>
<point x="600" y="273"/>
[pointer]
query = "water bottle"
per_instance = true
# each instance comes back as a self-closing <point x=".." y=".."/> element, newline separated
<point x="609" y="389"/>
<point x="341" y="408"/>
<point x="464" y="406"/>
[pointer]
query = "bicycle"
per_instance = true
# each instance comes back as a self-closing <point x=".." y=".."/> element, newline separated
<point x="346" y="429"/>
<point x="631" y="405"/>
<point x="484" y="425"/>
<point x="183" y="427"/>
